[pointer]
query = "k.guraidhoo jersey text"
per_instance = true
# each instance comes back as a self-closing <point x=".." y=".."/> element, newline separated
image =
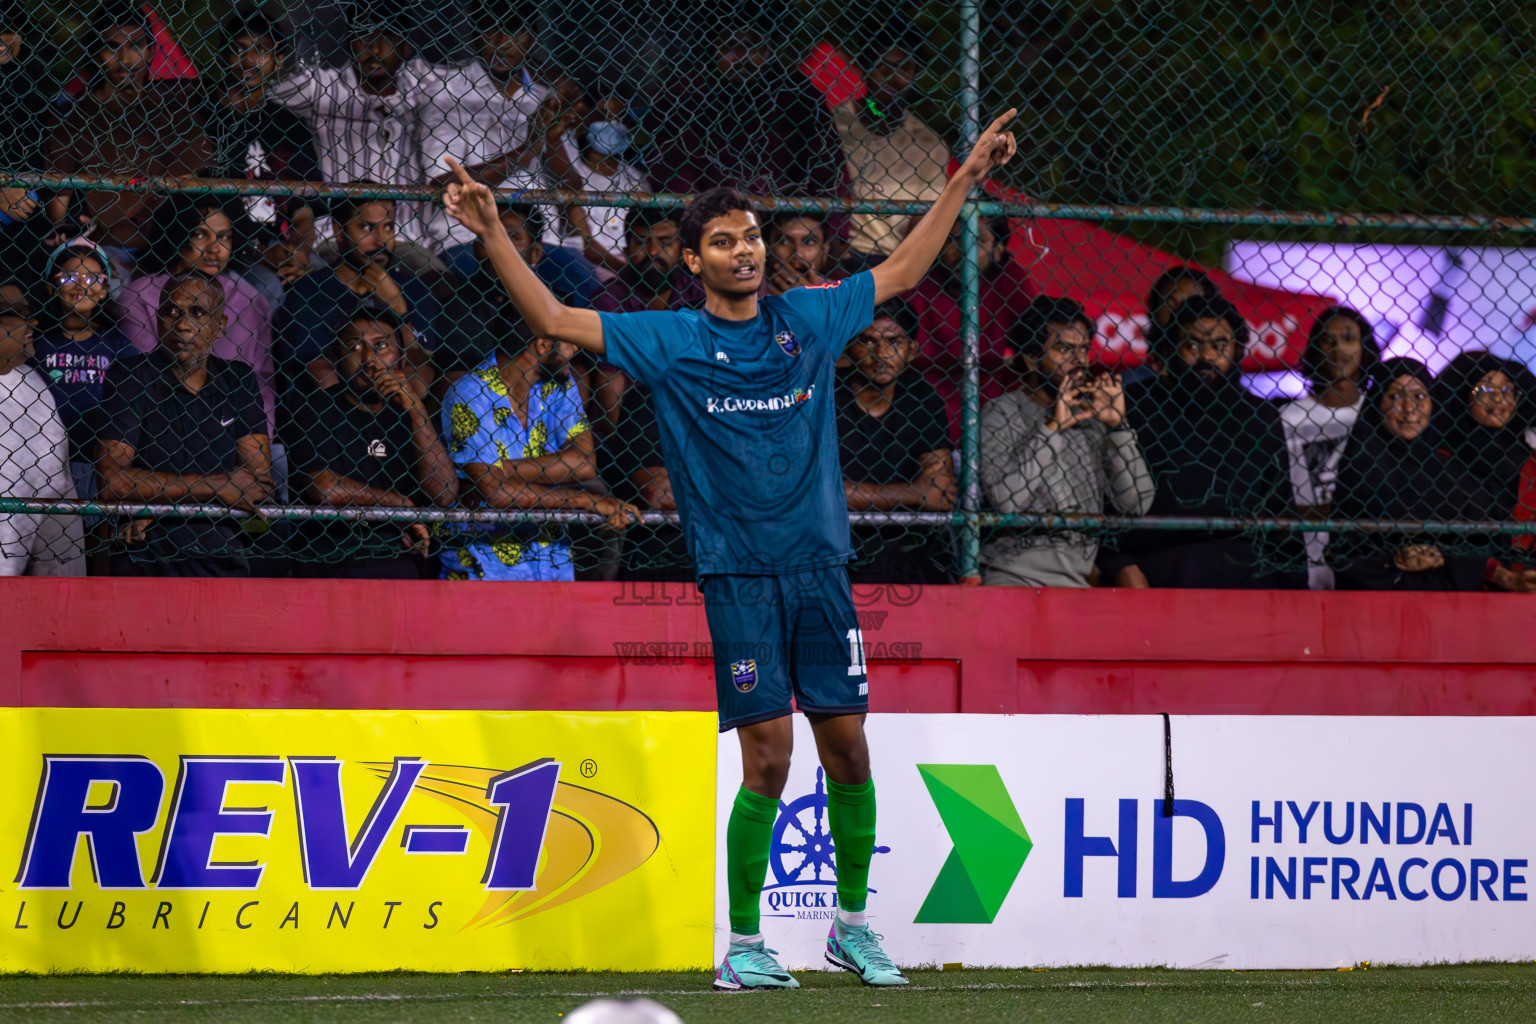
<point x="747" y="424"/>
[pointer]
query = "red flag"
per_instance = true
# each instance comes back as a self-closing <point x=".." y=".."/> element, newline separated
<point x="830" y="72"/>
<point x="170" y="60"/>
<point x="1111" y="275"/>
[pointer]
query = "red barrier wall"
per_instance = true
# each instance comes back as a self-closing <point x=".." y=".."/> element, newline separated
<point x="279" y="643"/>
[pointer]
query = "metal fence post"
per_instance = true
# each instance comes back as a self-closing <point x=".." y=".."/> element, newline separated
<point x="970" y="304"/>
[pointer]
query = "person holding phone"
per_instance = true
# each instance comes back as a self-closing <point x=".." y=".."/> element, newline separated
<point x="1061" y="443"/>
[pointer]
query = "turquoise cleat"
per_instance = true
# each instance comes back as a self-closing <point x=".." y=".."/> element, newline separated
<point x="857" y="949"/>
<point x="751" y="967"/>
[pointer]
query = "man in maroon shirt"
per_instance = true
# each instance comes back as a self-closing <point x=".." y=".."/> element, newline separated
<point x="749" y="123"/>
<point x="651" y="279"/>
<point x="1005" y="294"/>
<point x="125" y="124"/>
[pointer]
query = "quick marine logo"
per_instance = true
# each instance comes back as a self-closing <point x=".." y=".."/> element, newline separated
<point x="775" y="404"/>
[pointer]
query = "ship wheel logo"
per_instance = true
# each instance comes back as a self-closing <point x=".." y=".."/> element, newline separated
<point x="802" y="851"/>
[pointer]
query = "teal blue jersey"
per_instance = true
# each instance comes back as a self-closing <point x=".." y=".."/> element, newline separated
<point x="748" y="424"/>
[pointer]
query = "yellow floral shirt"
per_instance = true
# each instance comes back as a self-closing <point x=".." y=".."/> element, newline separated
<point x="481" y="428"/>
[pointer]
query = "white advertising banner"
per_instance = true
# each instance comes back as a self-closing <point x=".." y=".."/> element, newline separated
<point x="1294" y="843"/>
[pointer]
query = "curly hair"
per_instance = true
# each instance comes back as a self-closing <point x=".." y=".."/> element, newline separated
<point x="174" y="220"/>
<point x="707" y="206"/>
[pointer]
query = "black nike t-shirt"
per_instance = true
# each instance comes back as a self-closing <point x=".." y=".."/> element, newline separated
<point x="173" y="430"/>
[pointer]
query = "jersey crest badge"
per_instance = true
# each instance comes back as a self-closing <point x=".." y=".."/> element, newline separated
<point x="787" y="342"/>
<point x="744" y="675"/>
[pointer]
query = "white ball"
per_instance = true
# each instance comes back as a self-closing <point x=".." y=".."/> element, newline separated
<point x="622" y="1011"/>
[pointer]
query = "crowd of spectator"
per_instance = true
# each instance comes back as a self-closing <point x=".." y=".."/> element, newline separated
<point x="360" y="354"/>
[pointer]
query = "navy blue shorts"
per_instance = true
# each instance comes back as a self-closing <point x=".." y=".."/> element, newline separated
<point x="780" y="636"/>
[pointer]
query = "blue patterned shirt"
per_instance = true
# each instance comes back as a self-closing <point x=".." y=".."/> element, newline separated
<point x="481" y="427"/>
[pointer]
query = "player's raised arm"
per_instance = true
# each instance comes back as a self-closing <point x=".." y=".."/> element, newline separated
<point x="473" y="204"/>
<point x="916" y="253"/>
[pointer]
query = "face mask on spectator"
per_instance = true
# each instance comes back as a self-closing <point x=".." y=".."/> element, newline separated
<point x="610" y="138"/>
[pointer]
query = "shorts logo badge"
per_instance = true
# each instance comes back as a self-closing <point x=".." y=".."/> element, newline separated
<point x="744" y="675"/>
<point x="376" y="448"/>
<point x="787" y="342"/>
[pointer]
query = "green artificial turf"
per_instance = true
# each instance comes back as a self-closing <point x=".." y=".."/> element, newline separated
<point x="1476" y="993"/>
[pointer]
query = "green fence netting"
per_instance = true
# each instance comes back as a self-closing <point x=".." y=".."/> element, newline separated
<point x="1253" y="306"/>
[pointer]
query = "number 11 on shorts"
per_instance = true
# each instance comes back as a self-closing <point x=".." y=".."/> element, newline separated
<point x="856" y="652"/>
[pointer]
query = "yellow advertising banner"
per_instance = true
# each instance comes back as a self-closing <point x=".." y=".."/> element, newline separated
<point x="321" y="841"/>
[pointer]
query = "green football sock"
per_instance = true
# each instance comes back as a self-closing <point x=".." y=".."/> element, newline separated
<point x="851" y="815"/>
<point x="748" y="836"/>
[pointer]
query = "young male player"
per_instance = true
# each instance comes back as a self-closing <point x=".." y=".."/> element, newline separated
<point x="744" y="402"/>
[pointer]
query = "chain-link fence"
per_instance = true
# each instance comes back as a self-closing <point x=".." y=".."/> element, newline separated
<point x="1250" y="307"/>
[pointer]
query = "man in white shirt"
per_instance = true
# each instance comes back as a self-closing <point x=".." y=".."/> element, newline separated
<point x="504" y="123"/>
<point x="891" y="153"/>
<point x="367" y="117"/>
<point x="594" y="161"/>
<point x="1341" y="351"/>
<point x="481" y="113"/>
<point x="34" y="456"/>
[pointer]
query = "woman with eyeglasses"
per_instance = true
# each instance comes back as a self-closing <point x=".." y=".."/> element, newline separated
<point x="193" y="234"/>
<point x="1485" y="405"/>
<point x="77" y="345"/>
<point x="1485" y="409"/>
<point x="1396" y="466"/>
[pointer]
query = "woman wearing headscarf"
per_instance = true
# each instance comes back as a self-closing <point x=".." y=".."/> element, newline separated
<point x="1485" y="406"/>
<point x="1396" y="467"/>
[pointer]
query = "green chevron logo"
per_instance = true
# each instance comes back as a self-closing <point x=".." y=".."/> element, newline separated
<point x="990" y="844"/>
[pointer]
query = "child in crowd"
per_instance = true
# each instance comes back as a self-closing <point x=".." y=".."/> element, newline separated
<point x="77" y="345"/>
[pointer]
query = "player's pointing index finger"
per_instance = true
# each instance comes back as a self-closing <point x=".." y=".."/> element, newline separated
<point x="1003" y="119"/>
<point x="459" y="171"/>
